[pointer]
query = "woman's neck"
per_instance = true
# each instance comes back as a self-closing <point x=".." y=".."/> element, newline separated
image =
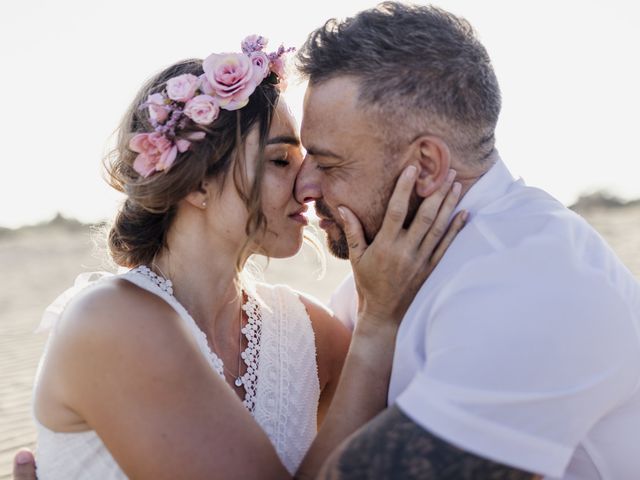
<point x="205" y="280"/>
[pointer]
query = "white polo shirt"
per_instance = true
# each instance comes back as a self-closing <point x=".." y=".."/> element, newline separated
<point x="523" y="346"/>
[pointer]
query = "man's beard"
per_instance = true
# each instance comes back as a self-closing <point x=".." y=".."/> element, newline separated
<point x="339" y="247"/>
<point x="371" y="223"/>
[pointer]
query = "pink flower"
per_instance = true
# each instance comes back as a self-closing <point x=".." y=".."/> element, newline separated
<point x="205" y="86"/>
<point x="155" y="153"/>
<point x="182" y="88"/>
<point x="232" y="76"/>
<point x="202" y="109"/>
<point x="253" y="43"/>
<point x="260" y="63"/>
<point x="278" y="66"/>
<point x="157" y="108"/>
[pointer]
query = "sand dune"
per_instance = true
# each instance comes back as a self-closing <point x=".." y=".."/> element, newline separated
<point x="39" y="263"/>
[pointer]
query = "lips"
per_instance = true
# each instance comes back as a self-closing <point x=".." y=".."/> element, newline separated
<point x="298" y="215"/>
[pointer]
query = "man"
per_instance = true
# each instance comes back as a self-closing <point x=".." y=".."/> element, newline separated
<point x="520" y="355"/>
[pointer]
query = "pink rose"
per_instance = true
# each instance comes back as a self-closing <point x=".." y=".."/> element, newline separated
<point x="183" y="87"/>
<point x="205" y="86"/>
<point x="155" y="153"/>
<point x="157" y="108"/>
<point x="202" y="109"/>
<point x="232" y="76"/>
<point x="260" y="63"/>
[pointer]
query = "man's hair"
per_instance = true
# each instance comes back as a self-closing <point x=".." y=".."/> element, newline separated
<point x="419" y="68"/>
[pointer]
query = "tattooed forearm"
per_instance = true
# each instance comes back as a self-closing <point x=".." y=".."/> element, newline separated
<point x="393" y="446"/>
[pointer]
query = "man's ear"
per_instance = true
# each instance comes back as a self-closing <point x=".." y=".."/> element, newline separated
<point x="200" y="197"/>
<point x="433" y="158"/>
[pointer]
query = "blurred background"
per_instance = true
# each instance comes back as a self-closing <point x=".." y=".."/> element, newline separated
<point x="569" y="73"/>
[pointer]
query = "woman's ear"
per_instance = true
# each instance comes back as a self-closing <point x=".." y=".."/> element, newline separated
<point x="200" y="197"/>
<point x="433" y="158"/>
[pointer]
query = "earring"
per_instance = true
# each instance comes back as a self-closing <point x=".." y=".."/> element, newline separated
<point x="204" y="204"/>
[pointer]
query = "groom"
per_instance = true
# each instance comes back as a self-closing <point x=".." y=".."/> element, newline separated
<point x="521" y="353"/>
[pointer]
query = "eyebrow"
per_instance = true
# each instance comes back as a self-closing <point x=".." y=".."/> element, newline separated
<point x="288" y="139"/>
<point x="318" y="152"/>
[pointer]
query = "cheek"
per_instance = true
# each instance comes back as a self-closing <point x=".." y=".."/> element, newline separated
<point x="277" y="190"/>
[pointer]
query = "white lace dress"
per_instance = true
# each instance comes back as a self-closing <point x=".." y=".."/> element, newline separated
<point x="281" y="383"/>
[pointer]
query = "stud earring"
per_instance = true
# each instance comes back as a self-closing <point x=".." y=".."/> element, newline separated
<point x="204" y="204"/>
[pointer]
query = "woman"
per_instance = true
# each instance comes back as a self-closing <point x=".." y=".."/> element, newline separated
<point x="179" y="368"/>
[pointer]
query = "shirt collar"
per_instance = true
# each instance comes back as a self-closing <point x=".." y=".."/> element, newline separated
<point x="489" y="187"/>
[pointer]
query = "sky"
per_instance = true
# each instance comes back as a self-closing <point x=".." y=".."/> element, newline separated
<point x="569" y="73"/>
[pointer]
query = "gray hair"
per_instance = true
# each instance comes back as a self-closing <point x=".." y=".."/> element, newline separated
<point x="419" y="68"/>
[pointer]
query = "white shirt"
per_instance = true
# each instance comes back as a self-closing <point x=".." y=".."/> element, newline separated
<point x="523" y="346"/>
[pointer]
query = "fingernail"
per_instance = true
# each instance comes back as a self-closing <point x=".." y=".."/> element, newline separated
<point x="342" y="212"/>
<point x="456" y="188"/>
<point x="451" y="175"/>
<point x="465" y="216"/>
<point x="410" y="171"/>
<point x="22" y="458"/>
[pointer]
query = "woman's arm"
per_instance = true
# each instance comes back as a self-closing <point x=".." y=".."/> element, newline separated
<point x="131" y="370"/>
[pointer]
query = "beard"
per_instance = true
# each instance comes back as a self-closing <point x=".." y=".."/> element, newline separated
<point x="371" y="221"/>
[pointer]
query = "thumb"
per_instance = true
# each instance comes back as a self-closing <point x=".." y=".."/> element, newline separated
<point x="24" y="466"/>
<point x="354" y="233"/>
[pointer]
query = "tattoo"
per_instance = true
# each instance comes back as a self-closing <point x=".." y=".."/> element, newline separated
<point x="392" y="446"/>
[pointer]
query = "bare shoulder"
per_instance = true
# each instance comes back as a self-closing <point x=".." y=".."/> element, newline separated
<point x="111" y="306"/>
<point x="115" y="326"/>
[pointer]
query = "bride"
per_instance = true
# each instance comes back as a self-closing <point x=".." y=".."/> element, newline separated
<point x="182" y="367"/>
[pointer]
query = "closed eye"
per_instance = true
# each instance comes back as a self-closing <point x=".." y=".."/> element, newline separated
<point x="280" y="162"/>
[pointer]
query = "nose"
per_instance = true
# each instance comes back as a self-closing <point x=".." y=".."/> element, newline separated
<point x="307" y="188"/>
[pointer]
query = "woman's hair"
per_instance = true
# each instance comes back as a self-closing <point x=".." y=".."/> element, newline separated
<point x="140" y="228"/>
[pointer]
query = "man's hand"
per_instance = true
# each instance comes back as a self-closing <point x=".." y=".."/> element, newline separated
<point x="24" y="466"/>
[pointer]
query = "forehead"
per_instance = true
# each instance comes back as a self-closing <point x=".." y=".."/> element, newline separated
<point x="333" y="115"/>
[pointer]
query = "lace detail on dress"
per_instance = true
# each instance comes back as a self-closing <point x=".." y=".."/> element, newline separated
<point x="251" y="355"/>
<point x="162" y="283"/>
<point x="287" y="400"/>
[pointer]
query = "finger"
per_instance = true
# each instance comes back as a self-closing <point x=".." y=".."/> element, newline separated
<point x="440" y="224"/>
<point x="398" y="203"/>
<point x="354" y="233"/>
<point x="433" y="212"/>
<point x="458" y="223"/>
<point x="24" y="466"/>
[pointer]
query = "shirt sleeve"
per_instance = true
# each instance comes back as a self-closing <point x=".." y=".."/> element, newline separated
<point x="518" y="371"/>
<point x="344" y="302"/>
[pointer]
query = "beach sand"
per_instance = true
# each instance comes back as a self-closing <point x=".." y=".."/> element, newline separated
<point x="38" y="263"/>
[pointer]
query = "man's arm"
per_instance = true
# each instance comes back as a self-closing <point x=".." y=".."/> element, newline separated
<point x="394" y="446"/>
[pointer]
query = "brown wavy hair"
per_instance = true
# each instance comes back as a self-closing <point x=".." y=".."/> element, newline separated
<point x="140" y="228"/>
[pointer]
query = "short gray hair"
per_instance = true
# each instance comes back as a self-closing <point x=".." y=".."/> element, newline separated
<point x="422" y="69"/>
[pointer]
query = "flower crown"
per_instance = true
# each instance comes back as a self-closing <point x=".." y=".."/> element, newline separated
<point x="228" y="81"/>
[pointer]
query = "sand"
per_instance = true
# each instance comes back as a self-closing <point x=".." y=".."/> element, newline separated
<point x="39" y="263"/>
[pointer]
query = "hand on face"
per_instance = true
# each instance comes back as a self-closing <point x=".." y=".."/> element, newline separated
<point x="390" y="270"/>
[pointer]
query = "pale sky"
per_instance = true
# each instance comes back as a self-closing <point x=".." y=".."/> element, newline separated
<point x="569" y="73"/>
